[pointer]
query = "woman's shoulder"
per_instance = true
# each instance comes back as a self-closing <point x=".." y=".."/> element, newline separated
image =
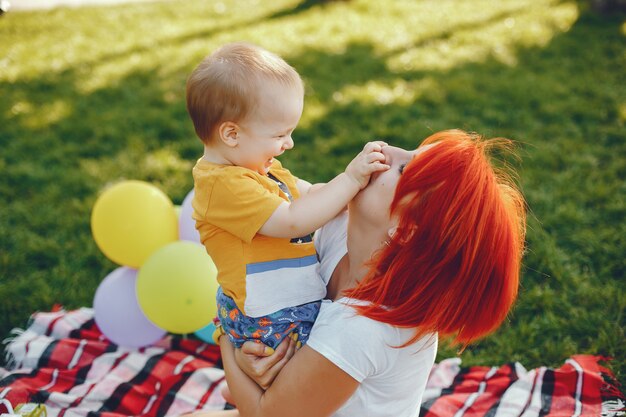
<point x="341" y="315"/>
<point x="364" y="347"/>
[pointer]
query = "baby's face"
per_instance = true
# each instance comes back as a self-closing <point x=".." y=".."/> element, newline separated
<point x="266" y="132"/>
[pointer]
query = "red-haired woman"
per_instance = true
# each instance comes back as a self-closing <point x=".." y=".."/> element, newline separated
<point x="433" y="248"/>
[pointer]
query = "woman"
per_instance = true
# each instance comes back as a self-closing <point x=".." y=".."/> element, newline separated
<point x="433" y="248"/>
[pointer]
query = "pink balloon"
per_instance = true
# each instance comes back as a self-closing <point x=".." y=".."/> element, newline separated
<point x="186" y="224"/>
<point x="117" y="312"/>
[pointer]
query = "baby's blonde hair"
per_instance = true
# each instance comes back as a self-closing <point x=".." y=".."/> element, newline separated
<point x="224" y="86"/>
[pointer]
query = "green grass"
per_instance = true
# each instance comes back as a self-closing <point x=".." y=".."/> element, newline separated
<point x="94" y="95"/>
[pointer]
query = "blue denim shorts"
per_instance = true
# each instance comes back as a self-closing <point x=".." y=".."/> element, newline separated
<point x="270" y="329"/>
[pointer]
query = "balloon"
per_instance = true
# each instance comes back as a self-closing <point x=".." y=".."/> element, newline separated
<point x="176" y="287"/>
<point x="117" y="312"/>
<point x="206" y="333"/>
<point x="132" y="219"/>
<point x="186" y="224"/>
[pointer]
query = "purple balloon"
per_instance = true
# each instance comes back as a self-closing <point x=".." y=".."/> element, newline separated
<point x="117" y="312"/>
<point x="186" y="224"/>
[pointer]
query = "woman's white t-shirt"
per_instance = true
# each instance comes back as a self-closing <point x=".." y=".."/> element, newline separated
<point x="392" y="380"/>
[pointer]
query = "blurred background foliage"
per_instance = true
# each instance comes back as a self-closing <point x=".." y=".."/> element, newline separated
<point x="95" y="95"/>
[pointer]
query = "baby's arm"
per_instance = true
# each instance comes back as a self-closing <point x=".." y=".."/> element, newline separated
<point x="304" y="187"/>
<point x="321" y="204"/>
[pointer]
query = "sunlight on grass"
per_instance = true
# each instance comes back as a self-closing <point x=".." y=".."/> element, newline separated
<point x="47" y="114"/>
<point x="419" y="35"/>
<point x="498" y="38"/>
<point x="163" y="166"/>
<point x="165" y="160"/>
<point x="409" y="35"/>
<point x="132" y="32"/>
<point x="19" y="108"/>
<point x="109" y="73"/>
<point x="399" y="92"/>
<point x="314" y="110"/>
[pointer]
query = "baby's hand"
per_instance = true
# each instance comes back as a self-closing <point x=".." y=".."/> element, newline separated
<point x="368" y="161"/>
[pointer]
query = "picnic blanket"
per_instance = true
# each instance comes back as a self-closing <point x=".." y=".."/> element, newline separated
<point x="62" y="360"/>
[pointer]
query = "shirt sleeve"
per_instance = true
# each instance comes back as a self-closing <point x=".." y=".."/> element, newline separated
<point x="330" y="243"/>
<point x="240" y="205"/>
<point x="353" y="343"/>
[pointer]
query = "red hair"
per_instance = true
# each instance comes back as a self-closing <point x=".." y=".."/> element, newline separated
<point x="453" y="264"/>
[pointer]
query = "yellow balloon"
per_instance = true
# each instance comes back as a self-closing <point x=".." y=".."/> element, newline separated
<point x="132" y="219"/>
<point x="176" y="287"/>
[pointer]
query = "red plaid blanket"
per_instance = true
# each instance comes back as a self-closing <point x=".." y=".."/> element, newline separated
<point x="63" y="361"/>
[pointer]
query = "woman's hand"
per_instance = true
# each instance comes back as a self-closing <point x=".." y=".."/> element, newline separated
<point x="258" y="362"/>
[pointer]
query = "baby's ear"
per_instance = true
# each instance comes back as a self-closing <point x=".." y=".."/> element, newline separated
<point x="228" y="133"/>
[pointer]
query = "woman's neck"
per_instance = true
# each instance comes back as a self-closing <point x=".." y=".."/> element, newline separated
<point x="363" y="241"/>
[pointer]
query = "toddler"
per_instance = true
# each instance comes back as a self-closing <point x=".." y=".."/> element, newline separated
<point x="254" y="217"/>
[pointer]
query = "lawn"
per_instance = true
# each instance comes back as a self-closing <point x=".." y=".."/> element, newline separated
<point x="93" y="96"/>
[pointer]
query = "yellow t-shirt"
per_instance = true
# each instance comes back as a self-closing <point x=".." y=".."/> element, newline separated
<point x="262" y="274"/>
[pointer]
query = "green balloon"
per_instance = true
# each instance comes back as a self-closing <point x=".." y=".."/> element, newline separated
<point x="176" y="287"/>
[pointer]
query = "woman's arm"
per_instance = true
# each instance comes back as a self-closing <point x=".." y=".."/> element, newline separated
<point x="309" y="385"/>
